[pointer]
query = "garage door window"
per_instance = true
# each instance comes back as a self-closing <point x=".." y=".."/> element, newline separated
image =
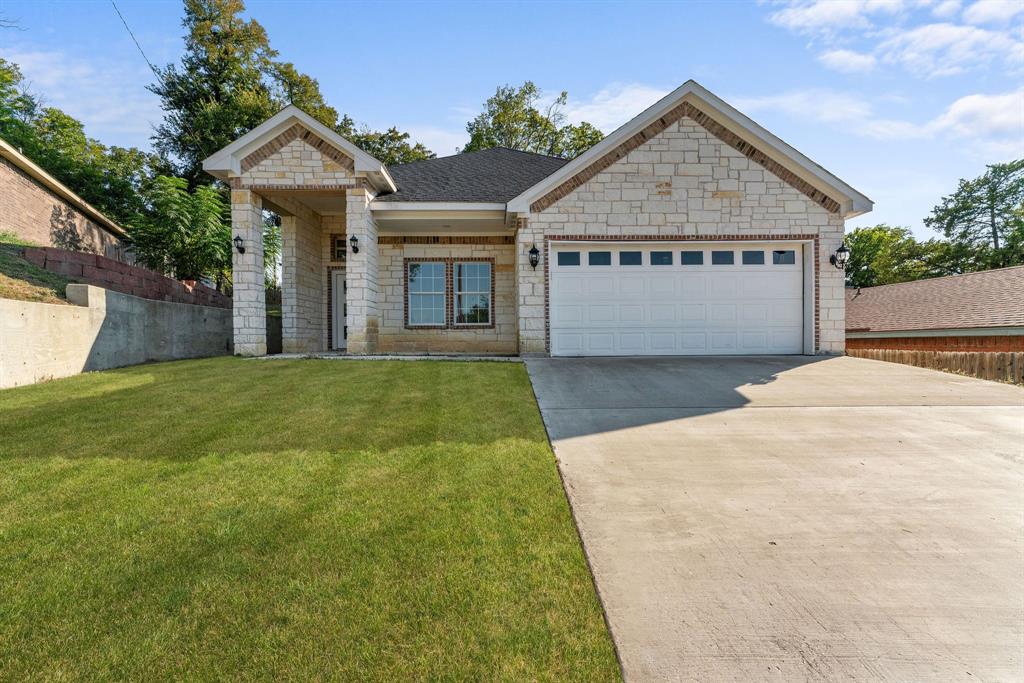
<point x="631" y="258"/>
<point x="661" y="258"/>
<point x="722" y="258"/>
<point x="599" y="258"/>
<point x="786" y="257"/>
<point x="426" y="293"/>
<point x="568" y="258"/>
<point x="753" y="258"/>
<point x="472" y="293"/>
<point x="691" y="258"/>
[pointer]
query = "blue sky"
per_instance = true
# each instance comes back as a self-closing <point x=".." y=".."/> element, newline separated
<point x="900" y="98"/>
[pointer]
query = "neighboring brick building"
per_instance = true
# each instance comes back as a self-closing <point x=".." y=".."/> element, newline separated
<point x="978" y="312"/>
<point x="689" y="230"/>
<point x="37" y="208"/>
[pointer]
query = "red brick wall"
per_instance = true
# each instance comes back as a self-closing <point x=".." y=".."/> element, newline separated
<point x="989" y="344"/>
<point x="36" y="215"/>
<point x="110" y="274"/>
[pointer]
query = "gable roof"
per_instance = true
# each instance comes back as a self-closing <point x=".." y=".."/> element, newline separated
<point x="691" y="98"/>
<point x="489" y="175"/>
<point x="991" y="298"/>
<point x="228" y="161"/>
<point x="36" y="172"/>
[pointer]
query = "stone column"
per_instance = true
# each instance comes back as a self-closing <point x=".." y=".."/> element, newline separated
<point x="530" y="296"/>
<point x="361" y="274"/>
<point x="249" y="304"/>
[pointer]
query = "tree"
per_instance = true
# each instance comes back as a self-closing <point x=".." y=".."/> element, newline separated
<point x="229" y="81"/>
<point x="511" y="118"/>
<point x="882" y="255"/>
<point x="984" y="216"/>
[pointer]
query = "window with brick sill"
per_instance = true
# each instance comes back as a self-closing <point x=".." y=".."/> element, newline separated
<point x="449" y="293"/>
<point x="339" y="248"/>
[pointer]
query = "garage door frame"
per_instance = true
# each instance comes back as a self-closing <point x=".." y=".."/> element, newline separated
<point x="811" y="261"/>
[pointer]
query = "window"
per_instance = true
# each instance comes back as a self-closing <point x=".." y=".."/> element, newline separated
<point x="472" y="293"/>
<point x="753" y="258"/>
<point x="785" y="257"/>
<point x="426" y="285"/>
<point x="568" y="258"/>
<point x="722" y="258"/>
<point x="599" y="258"/>
<point x="630" y="258"/>
<point x="691" y="258"/>
<point x="661" y="258"/>
<point x="339" y="249"/>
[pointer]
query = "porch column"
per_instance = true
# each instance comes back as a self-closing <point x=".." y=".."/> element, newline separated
<point x="249" y="304"/>
<point x="361" y="274"/>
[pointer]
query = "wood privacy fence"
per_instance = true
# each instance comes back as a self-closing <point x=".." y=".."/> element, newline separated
<point x="1002" y="367"/>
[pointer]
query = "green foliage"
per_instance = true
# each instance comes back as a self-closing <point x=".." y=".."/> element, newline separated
<point x="186" y="234"/>
<point x="511" y="118"/>
<point x="984" y="218"/>
<point x="229" y="81"/>
<point x="883" y="255"/>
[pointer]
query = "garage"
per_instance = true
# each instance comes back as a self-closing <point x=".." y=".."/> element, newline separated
<point x="685" y="298"/>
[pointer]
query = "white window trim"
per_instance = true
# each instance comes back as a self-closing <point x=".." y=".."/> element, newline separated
<point x="410" y="294"/>
<point x="456" y="293"/>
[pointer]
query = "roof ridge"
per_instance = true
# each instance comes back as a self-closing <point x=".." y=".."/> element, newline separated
<point x="940" y="277"/>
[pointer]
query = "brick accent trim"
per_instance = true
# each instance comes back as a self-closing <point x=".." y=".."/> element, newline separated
<point x="447" y="239"/>
<point x="678" y="238"/>
<point x="449" y="292"/>
<point x="298" y="132"/>
<point x="330" y="305"/>
<point x="236" y="184"/>
<point x="658" y="126"/>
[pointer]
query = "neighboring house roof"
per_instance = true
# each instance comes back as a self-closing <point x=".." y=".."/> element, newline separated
<point x="991" y="298"/>
<point x="34" y="171"/>
<point x="489" y="175"/>
<point x="692" y="99"/>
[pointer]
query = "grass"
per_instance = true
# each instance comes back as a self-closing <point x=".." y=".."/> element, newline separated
<point x="289" y="520"/>
<point x="26" y="281"/>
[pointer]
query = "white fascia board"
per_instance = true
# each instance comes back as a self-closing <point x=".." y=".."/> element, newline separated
<point x="452" y="207"/>
<point x="227" y="161"/>
<point x="942" y="332"/>
<point x="853" y="203"/>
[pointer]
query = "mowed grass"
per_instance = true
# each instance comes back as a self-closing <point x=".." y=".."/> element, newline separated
<point x="289" y="520"/>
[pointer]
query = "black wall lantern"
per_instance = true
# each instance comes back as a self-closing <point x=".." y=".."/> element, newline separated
<point x="354" y="241"/>
<point x="534" y="256"/>
<point x="238" y="244"/>
<point x="841" y="257"/>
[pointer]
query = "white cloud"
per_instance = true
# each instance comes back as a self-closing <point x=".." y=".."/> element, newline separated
<point x="993" y="11"/>
<point x="107" y="96"/>
<point x="847" y="61"/>
<point x="946" y="9"/>
<point x="999" y="118"/>
<point x="614" y="105"/>
<point x="825" y="106"/>
<point x="828" y="16"/>
<point x="945" y="49"/>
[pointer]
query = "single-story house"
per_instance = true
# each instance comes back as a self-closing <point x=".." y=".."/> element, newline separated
<point x="971" y="312"/>
<point x="41" y="210"/>
<point x="689" y="230"/>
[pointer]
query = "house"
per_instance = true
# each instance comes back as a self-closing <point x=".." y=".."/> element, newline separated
<point x="689" y="230"/>
<point x="971" y="312"/>
<point x="41" y="210"/>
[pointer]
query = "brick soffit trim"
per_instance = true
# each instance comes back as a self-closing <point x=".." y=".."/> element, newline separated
<point x="297" y="132"/>
<point x="716" y="129"/>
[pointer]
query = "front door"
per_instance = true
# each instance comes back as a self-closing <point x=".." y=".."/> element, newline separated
<point x="339" y="331"/>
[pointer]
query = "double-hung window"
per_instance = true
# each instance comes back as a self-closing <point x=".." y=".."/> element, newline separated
<point x="426" y="282"/>
<point x="472" y="293"/>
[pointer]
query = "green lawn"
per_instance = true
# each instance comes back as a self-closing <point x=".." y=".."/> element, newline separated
<point x="289" y="520"/>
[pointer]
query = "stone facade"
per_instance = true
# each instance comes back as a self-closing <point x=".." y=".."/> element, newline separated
<point x="302" y="324"/>
<point x="361" y="274"/>
<point x="297" y="164"/>
<point x="683" y="182"/>
<point x="395" y="336"/>
<point x="35" y="214"/>
<point x="248" y="279"/>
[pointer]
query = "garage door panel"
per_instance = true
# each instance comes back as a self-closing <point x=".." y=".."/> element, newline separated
<point x="691" y="309"/>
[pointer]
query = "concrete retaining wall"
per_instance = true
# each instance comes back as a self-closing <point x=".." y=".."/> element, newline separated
<point x="104" y="329"/>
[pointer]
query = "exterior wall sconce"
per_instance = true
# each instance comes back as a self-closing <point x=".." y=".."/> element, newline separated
<point x="534" y="256"/>
<point x="841" y="257"/>
<point x="238" y="244"/>
<point x="354" y="241"/>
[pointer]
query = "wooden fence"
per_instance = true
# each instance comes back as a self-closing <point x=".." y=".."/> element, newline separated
<point x="1002" y="367"/>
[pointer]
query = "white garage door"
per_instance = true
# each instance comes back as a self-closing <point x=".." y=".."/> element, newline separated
<point x="676" y="299"/>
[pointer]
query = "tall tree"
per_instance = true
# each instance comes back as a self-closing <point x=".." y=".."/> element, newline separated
<point x="512" y="118"/>
<point x="984" y="213"/>
<point x="882" y="255"/>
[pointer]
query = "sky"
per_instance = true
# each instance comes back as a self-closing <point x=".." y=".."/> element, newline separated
<point x="899" y="98"/>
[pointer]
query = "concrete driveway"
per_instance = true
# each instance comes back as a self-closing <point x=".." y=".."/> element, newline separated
<point x="792" y="518"/>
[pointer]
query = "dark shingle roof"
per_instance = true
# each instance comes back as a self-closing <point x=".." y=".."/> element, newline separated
<point x="490" y="175"/>
<point x="991" y="298"/>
